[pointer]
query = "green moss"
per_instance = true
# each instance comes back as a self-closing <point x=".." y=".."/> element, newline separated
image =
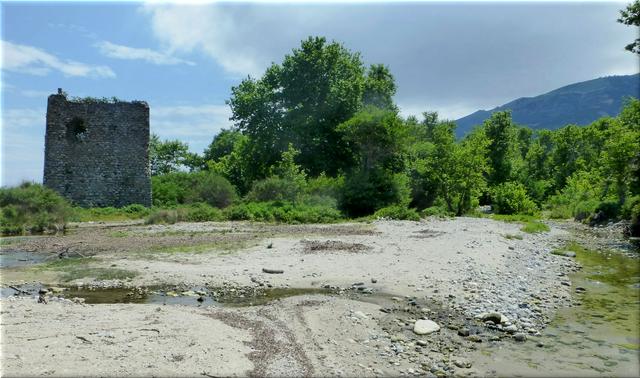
<point x="119" y="234"/>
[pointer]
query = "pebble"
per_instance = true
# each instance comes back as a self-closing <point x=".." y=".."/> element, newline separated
<point x="520" y="337"/>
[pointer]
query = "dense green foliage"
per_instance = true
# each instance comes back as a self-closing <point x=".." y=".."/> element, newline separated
<point x="184" y="188"/>
<point x="318" y="138"/>
<point x="32" y="208"/>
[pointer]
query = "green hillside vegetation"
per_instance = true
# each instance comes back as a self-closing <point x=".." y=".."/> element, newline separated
<point x="318" y="139"/>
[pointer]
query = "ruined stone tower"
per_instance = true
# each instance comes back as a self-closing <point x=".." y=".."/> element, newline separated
<point x="96" y="152"/>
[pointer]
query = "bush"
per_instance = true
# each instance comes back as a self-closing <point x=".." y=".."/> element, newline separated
<point x="180" y="188"/>
<point x="32" y="208"/>
<point x="212" y="189"/>
<point x="81" y="214"/>
<point x="512" y="198"/>
<point x="164" y="217"/>
<point x="273" y="188"/>
<point x="324" y="186"/>
<point x="285" y="212"/>
<point x="365" y="192"/>
<point x="200" y="212"/>
<point x="437" y="211"/>
<point x="397" y="212"/>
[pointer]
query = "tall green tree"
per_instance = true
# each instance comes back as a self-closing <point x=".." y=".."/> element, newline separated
<point x="167" y="156"/>
<point x="503" y="147"/>
<point x="302" y="100"/>
<point x="379" y="87"/>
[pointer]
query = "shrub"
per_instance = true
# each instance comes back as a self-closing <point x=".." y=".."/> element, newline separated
<point x="397" y="212"/>
<point x="180" y="188"/>
<point x="365" y="192"/>
<point x="163" y="217"/>
<point x="437" y="211"/>
<point x="212" y="189"/>
<point x="32" y="208"/>
<point x="512" y="198"/>
<point x="324" y="186"/>
<point x="285" y="212"/>
<point x="273" y="188"/>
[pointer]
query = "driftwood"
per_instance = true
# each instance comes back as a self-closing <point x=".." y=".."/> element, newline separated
<point x="19" y="290"/>
<point x="272" y="271"/>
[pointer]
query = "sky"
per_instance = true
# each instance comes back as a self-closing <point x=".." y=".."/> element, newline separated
<point x="451" y="57"/>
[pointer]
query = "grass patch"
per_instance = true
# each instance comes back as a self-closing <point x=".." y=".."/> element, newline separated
<point x="119" y="234"/>
<point x="75" y="268"/>
<point x="109" y="214"/>
<point x="534" y="227"/>
<point x="512" y="236"/>
<point x="225" y="247"/>
<point x="515" y="218"/>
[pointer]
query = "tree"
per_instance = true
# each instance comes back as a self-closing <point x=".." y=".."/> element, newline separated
<point x="167" y="156"/>
<point x="631" y="16"/>
<point x="379" y="87"/>
<point x="222" y="144"/>
<point x="504" y="156"/>
<point x="378" y="137"/>
<point x="302" y="101"/>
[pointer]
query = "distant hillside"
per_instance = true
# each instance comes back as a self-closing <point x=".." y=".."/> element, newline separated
<point x="579" y="103"/>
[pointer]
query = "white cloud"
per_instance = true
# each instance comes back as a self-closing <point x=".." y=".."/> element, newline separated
<point x="194" y="124"/>
<point x="35" y="61"/>
<point x="23" y="118"/>
<point x="238" y="39"/>
<point x="113" y="50"/>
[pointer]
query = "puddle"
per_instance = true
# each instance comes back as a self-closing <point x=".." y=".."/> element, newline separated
<point x="599" y="337"/>
<point x="11" y="259"/>
<point x="194" y="296"/>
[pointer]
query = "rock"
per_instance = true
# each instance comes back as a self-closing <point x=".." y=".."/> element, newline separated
<point x="200" y="299"/>
<point x="463" y="332"/>
<point x="55" y="289"/>
<point x="189" y="293"/>
<point x="495" y="317"/>
<point x="360" y="314"/>
<point x="425" y="327"/>
<point x="462" y="364"/>
<point x="540" y="344"/>
<point x="565" y="283"/>
<point x="570" y="254"/>
<point x="580" y="289"/>
<point x="272" y="271"/>
<point x="475" y="338"/>
<point x="422" y="343"/>
<point x="373" y="280"/>
<point x="520" y="337"/>
<point x="511" y="329"/>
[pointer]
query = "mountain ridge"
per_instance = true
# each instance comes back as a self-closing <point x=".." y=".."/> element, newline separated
<point x="578" y="103"/>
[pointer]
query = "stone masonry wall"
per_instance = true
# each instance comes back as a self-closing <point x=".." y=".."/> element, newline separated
<point x="96" y="152"/>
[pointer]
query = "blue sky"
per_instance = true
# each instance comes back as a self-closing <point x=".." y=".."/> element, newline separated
<point x="454" y="57"/>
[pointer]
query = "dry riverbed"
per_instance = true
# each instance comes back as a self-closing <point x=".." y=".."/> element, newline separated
<point x="225" y="299"/>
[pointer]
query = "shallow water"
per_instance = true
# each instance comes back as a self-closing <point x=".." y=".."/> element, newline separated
<point x="168" y="295"/>
<point x="12" y="258"/>
<point x="598" y="337"/>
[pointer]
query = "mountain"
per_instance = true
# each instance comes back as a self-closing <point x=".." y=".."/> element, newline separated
<point x="579" y="103"/>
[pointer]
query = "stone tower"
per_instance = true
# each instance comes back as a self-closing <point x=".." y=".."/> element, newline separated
<point x="96" y="151"/>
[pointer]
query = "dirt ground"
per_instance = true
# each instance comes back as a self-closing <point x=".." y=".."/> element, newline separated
<point x="360" y="290"/>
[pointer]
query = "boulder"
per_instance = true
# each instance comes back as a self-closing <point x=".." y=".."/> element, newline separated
<point x="425" y="327"/>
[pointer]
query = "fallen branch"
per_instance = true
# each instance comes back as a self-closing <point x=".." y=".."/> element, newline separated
<point x="272" y="271"/>
<point x="19" y="290"/>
